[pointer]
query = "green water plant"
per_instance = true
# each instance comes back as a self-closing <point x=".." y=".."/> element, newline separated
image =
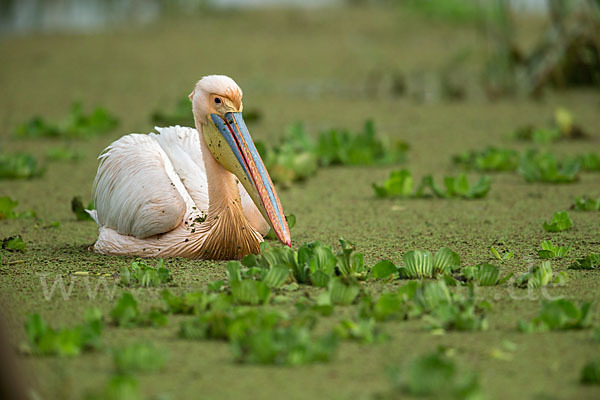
<point x="400" y="184"/>
<point x="140" y="274"/>
<point x="284" y="345"/>
<point x="342" y="291"/>
<point x="459" y="313"/>
<point x="436" y="375"/>
<point x="362" y="330"/>
<point x="14" y="243"/>
<point x="545" y="167"/>
<point x="127" y="314"/>
<point x="7" y="209"/>
<point x="590" y="162"/>
<point x="64" y="342"/>
<point x="76" y="125"/>
<point x="485" y="275"/>
<point x="584" y="203"/>
<point x="505" y="256"/>
<point x="422" y="264"/>
<point x="138" y="357"/>
<point x="63" y="154"/>
<point x="550" y="250"/>
<point x="19" y="166"/>
<point x="590" y="373"/>
<point x="590" y="261"/>
<point x="293" y="159"/>
<point x="383" y="270"/>
<point x="79" y="209"/>
<point x="490" y="159"/>
<point x="541" y="276"/>
<point x="341" y="147"/>
<point x="561" y="221"/>
<point x="191" y="303"/>
<point x="559" y="314"/>
<point x="246" y="290"/>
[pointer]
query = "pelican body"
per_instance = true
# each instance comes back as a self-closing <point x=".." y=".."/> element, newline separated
<point x="199" y="193"/>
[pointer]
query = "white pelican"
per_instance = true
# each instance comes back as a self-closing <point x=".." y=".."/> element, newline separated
<point x="195" y="193"/>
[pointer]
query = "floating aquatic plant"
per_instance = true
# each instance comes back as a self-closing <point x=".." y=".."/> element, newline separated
<point x="584" y="203"/>
<point x="559" y="314"/>
<point x="19" y="166"/>
<point x="560" y="222"/>
<point x="540" y="276"/>
<point x="45" y="340"/>
<point x="590" y="261"/>
<point x="490" y="159"/>
<point x="436" y="375"/>
<point x="126" y="314"/>
<point x="138" y="357"/>
<point x="421" y="264"/>
<point x="77" y="125"/>
<point x="400" y="184"/>
<point x="505" y="256"/>
<point x="138" y="273"/>
<point x="590" y="373"/>
<point x="550" y="250"/>
<point x="545" y="167"/>
<point x="485" y="275"/>
<point x="361" y="330"/>
<point x="14" y="243"/>
<point x="7" y="209"/>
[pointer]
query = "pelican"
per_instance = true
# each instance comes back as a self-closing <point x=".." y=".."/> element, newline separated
<point x="199" y="193"/>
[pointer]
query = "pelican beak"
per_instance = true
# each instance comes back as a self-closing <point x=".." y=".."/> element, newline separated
<point x="253" y="173"/>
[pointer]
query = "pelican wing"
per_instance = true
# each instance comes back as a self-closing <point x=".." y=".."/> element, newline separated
<point x="137" y="191"/>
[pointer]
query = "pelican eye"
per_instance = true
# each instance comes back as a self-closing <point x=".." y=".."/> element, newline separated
<point x="217" y="100"/>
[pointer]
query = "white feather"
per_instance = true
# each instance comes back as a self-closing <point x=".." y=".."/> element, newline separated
<point x="149" y="184"/>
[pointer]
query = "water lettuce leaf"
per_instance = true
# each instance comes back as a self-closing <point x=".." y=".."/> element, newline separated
<point x="550" y="250"/>
<point x="436" y="375"/>
<point x="545" y="167"/>
<point x="590" y="373"/>
<point x="584" y="203"/>
<point x="590" y="261"/>
<point x="383" y="269"/>
<point x="140" y="274"/>
<point x="64" y="342"/>
<point x="138" y="357"/>
<point x="485" y="275"/>
<point x="559" y="314"/>
<point x="19" y="166"/>
<point x="14" y="243"/>
<point x="126" y="314"/>
<point x="76" y="125"/>
<point x="561" y="221"/>
<point x="540" y="276"/>
<point x="490" y="159"/>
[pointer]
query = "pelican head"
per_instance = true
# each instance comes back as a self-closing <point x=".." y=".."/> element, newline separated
<point x="217" y="106"/>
